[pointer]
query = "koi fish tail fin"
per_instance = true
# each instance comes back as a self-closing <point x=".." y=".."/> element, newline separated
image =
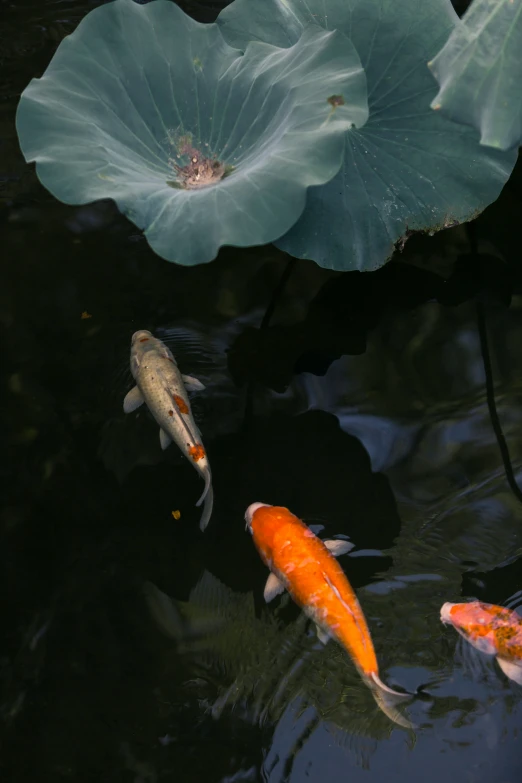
<point x="207" y="508"/>
<point x="206" y="474"/>
<point x="387" y="698"/>
<point x="382" y="687"/>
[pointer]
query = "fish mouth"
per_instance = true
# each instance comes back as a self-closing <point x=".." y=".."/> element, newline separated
<point x="251" y="510"/>
<point x="140" y="334"/>
<point x="445" y="612"/>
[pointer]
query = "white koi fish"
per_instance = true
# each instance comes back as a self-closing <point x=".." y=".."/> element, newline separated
<point x="163" y="388"/>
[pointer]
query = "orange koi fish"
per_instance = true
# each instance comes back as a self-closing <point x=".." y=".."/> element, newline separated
<point x="494" y="630"/>
<point x="306" y="566"/>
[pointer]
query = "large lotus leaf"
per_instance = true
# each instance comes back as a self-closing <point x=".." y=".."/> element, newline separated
<point x="198" y="143"/>
<point x="479" y="71"/>
<point x="408" y="168"/>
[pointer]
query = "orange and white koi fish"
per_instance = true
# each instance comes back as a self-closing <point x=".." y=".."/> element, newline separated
<point x="306" y="566"/>
<point x="494" y="630"/>
<point x="163" y="388"/>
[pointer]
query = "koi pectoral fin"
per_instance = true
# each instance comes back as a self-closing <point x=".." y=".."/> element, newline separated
<point x="165" y="440"/>
<point x="338" y="546"/>
<point x="192" y="384"/>
<point x="511" y="670"/>
<point x="483" y="643"/>
<point x="133" y="400"/>
<point x="273" y="587"/>
<point x="323" y="636"/>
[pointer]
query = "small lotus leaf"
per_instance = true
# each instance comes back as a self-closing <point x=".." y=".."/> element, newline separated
<point x="199" y="144"/>
<point x="479" y="71"/>
<point x="408" y="168"/>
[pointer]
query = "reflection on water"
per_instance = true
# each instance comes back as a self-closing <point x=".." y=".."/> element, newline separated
<point x="391" y="445"/>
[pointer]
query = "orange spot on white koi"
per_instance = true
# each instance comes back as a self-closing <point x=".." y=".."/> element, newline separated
<point x="144" y="340"/>
<point x="180" y="402"/>
<point x="171" y="413"/>
<point x="197" y="452"/>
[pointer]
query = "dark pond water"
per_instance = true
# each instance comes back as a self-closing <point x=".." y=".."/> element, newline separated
<point x="361" y="405"/>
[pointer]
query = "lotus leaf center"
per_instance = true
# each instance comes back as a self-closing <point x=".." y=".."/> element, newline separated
<point x="199" y="172"/>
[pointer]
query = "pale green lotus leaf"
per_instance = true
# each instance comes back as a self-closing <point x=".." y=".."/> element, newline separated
<point x="408" y="168"/>
<point x="479" y="70"/>
<point x="199" y="144"/>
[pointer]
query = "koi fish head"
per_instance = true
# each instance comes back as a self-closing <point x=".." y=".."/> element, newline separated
<point x="141" y="334"/>
<point x="266" y="524"/>
<point x="472" y="613"/>
<point x="143" y="342"/>
<point x="482" y="625"/>
<point x="249" y="514"/>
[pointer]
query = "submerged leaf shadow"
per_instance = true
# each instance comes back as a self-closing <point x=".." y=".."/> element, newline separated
<point x="349" y="306"/>
<point x="495" y="585"/>
<point x="257" y="671"/>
